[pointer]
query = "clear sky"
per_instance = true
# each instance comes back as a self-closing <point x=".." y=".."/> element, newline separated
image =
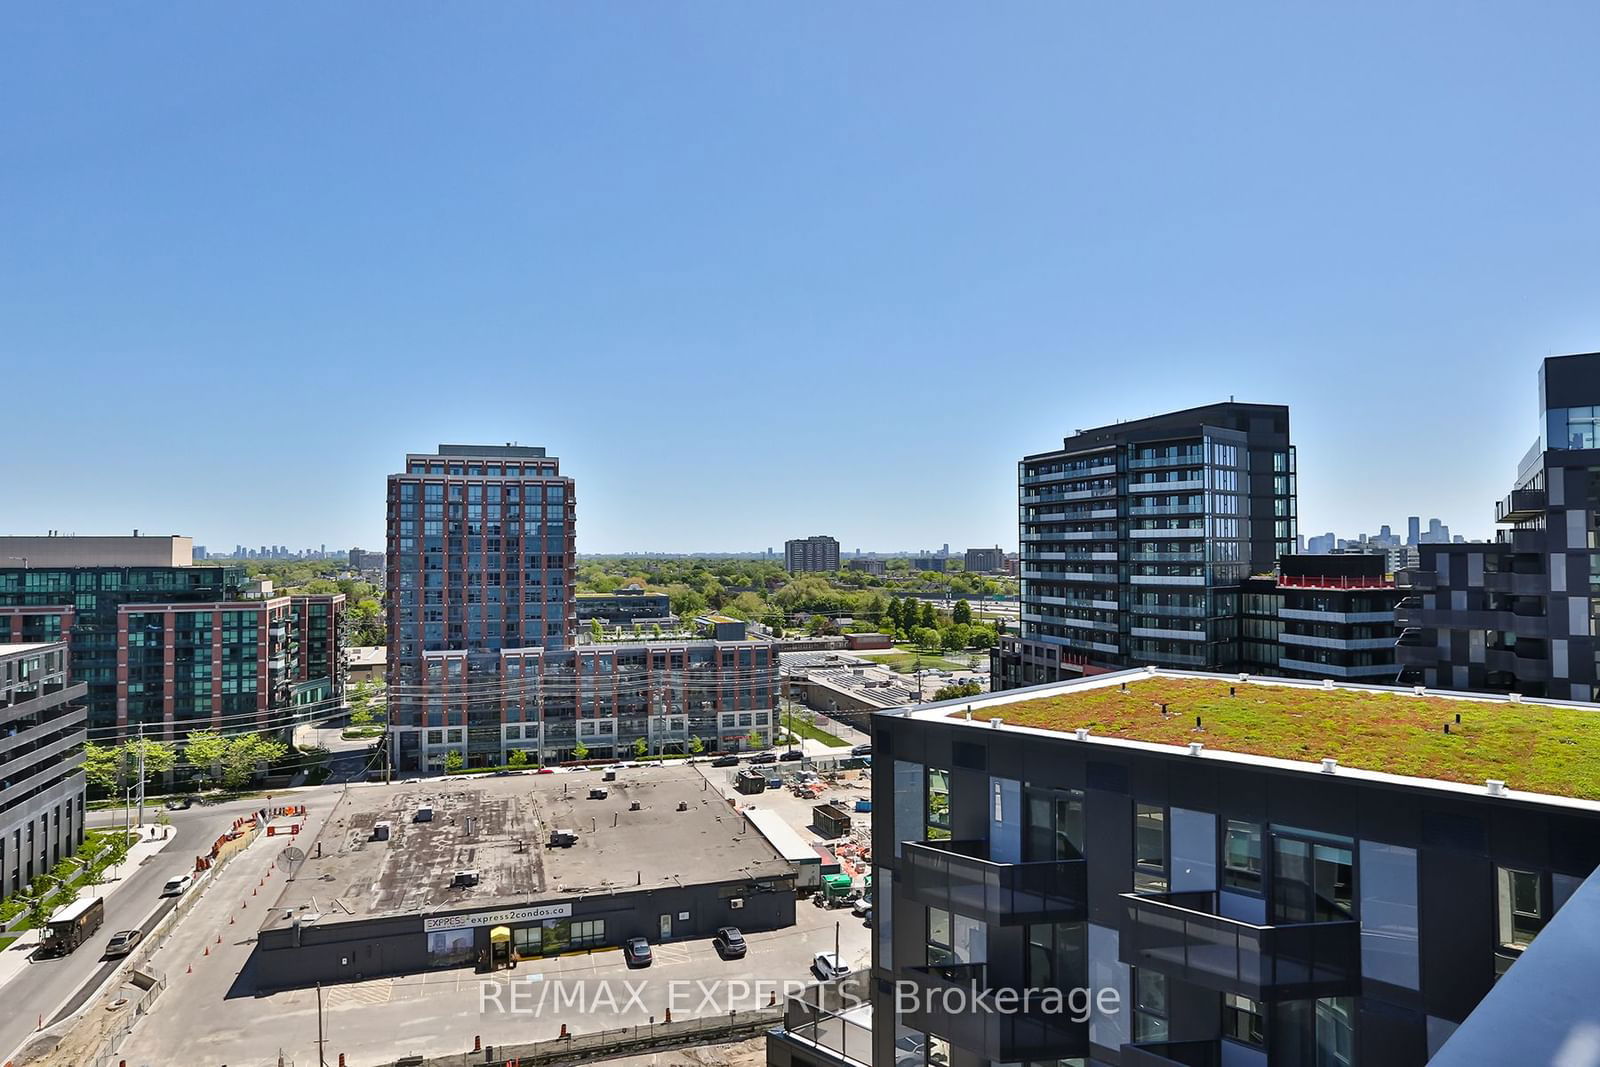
<point x="759" y="271"/>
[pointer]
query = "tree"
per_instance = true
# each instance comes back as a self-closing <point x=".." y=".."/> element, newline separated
<point x="696" y="746"/>
<point x="580" y="751"/>
<point x="981" y="637"/>
<point x="641" y="748"/>
<point x="204" y="750"/>
<point x="245" y="753"/>
<point x="928" y="616"/>
<point x="925" y="637"/>
<point x="962" y="613"/>
<point x="757" y="739"/>
<point x="40" y="907"/>
<point x="454" y="761"/>
<point x="518" y="758"/>
<point x="957" y="690"/>
<point x="953" y="638"/>
<point x="102" y="766"/>
<point x="655" y="629"/>
<point x="819" y="625"/>
<point x="597" y="631"/>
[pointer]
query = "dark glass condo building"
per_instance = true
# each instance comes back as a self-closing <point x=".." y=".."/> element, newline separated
<point x="1284" y="887"/>
<point x="1137" y="537"/>
<point x="1520" y="614"/>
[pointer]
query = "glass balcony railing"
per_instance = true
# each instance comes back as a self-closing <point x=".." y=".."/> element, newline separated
<point x="1182" y="935"/>
<point x="959" y="876"/>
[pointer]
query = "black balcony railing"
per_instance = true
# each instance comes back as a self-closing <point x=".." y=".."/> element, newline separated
<point x="1173" y="1054"/>
<point x="959" y="876"/>
<point x="1181" y="934"/>
<point x="1521" y="505"/>
<point x="957" y="1002"/>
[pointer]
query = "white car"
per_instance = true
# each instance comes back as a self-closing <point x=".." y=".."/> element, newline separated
<point x="177" y="887"/>
<point x="826" y="966"/>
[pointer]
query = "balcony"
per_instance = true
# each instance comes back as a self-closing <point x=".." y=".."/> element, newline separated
<point x="946" y="1004"/>
<point x="957" y="875"/>
<point x="1181" y="459"/>
<point x="1181" y="935"/>
<point x="1173" y="1054"/>
<point x="1524" y="668"/>
<point x="1520" y="506"/>
<point x="1174" y="532"/>
<point x="1314" y="669"/>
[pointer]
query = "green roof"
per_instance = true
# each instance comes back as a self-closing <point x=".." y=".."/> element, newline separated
<point x="1535" y="747"/>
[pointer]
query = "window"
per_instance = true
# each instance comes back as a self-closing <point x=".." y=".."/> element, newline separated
<point x="1241" y="1020"/>
<point x="941" y="941"/>
<point x="1311" y="882"/>
<point x="1057" y="955"/>
<point x="1241" y="856"/>
<point x="1521" y="909"/>
<point x="1149" y="849"/>
<point x="1055" y="825"/>
<point x="1149" y="1005"/>
<point x="938" y="805"/>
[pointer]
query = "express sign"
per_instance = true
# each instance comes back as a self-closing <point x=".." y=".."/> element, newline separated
<point x="503" y="917"/>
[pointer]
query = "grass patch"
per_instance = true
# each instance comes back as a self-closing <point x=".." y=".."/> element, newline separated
<point x="357" y="733"/>
<point x="905" y="662"/>
<point x="800" y="728"/>
<point x="1531" y="747"/>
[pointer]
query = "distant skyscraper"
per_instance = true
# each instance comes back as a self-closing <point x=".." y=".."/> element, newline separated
<point x="1414" y="530"/>
<point x="816" y="553"/>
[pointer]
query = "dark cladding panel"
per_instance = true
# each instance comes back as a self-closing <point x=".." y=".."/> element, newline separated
<point x="1457" y="923"/>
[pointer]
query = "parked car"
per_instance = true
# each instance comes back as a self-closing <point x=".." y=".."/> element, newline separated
<point x="862" y="750"/>
<point x="636" y="950"/>
<point x="764" y="757"/>
<point x="729" y="943"/>
<point x="725" y="761"/>
<point x="177" y="887"/>
<point x="826" y="966"/>
<point x="861" y="907"/>
<point x="122" y="942"/>
<point x="793" y="753"/>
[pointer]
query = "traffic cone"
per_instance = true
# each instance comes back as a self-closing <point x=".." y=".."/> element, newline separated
<point x="207" y="952"/>
<point x="219" y="939"/>
<point x="189" y="969"/>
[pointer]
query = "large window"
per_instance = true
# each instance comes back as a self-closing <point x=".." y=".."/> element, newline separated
<point x="1241" y="856"/>
<point x="1312" y="882"/>
<point x="1241" y="1020"/>
<point x="1149" y="1005"/>
<point x="941" y="939"/>
<point x="1149" y="849"/>
<point x="1055" y="825"/>
<point x="1521" y="913"/>
<point x="1056" y="955"/>
<point x="938" y="805"/>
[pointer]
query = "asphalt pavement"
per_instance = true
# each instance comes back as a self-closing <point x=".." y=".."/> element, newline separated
<point x="56" y="987"/>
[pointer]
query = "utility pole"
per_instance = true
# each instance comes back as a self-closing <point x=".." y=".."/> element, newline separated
<point x="322" y="1059"/>
<point x="141" y="775"/>
<point x="836" y="957"/>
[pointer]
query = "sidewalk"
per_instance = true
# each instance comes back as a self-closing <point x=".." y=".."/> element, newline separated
<point x="14" y="960"/>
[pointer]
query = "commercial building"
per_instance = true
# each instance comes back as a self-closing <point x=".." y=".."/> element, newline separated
<point x="41" y="762"/>
<point x="170" y="648"/>
<point x="1266" y="872"/>
<point x="1137" y="539"/>
<point x="986" y="560"/>
<point x="59" y="550"/>
<point x="535" y="865"/>
<point x="867" y="565"/>
<point x="362" y="560"/>
<point x="625" y="607"/>
<point x="818" y="553"/>
<point x="937" y="564"/>
<point x="1520" y="613"/>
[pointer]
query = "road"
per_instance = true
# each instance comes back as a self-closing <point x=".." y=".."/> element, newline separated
<point x="347" y="760"/>
<point x="55" y="987"/>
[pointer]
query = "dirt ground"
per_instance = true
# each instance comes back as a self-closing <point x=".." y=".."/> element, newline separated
<point x="752" y="1053"/>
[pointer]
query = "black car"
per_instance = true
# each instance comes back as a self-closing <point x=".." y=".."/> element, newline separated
<point x="636" y="950"/>
<point x="725" y="761"/>
<point x="179" y="803"/>
<point x="764" y="757"/>
<point x="861" y="750"/>
<point x="729" y="943"/>
<point x="793" y="753"/>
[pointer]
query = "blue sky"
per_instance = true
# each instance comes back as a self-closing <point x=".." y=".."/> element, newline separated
<point x="758" y="271"/>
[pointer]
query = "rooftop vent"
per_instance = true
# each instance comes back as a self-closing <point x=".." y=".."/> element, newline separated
<point x="1420" y="690"/>
<point x="1497" y="788"/>
<point x="1329" y="766"/>
<point x="1327" y="683"/>
<point x="1083" y="733"/>
<point x="1195" y="747"/>
<point x="996" y="721"/>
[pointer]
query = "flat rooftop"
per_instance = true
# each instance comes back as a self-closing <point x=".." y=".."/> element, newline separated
<point x="1533" y="746"/>
<point x="500" y="827"/>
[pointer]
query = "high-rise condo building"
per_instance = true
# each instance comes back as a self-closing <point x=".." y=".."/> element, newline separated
<point x="817" y="553"/>
<point x="1136" y="538"/>
<point x="41" y="762"/>
<point x="1520" y="614"/>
